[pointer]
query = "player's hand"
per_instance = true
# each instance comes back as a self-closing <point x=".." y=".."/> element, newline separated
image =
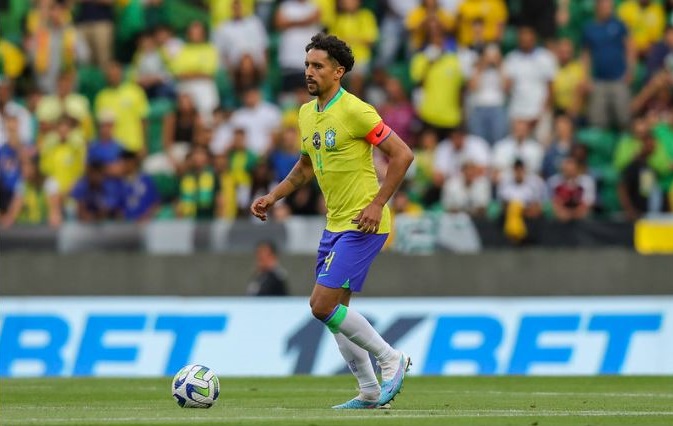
<point x="261" y="206"/>
<point x="369" y="218"/>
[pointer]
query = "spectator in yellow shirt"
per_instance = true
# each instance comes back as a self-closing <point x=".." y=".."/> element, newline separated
<point x="568" y="84"/>
<point x="645" y="20"/>
<point x="492" y="12"/>
<point x="328" y="11"/>
<point x="439" y="74"/>
<point x="63" y="155"/>
<point x="356" y="26"/>
<point x="194" y="68"/>
<point x="220" y="10"/>
<point x="12" y="61"/>
<point x="127" y="102"/>
<point x="66" y="101"/>
<point x="40" y="198"/>
<point x="417" y="22"/>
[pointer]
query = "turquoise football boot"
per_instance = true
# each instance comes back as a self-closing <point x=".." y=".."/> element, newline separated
<point x="390" y="388"/>
<point x="357" y="404"/>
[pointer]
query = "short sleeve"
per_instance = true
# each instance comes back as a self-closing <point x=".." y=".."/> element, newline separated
<point x="419" y="67"/>
<point x="303" y="148"/>
<point x="367" y="124"/>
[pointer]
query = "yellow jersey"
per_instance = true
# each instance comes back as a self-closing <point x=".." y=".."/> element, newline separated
<point x="221" y="10"/>
<point x="129" y="106"/>
<point x="63" y="160"/>
<point x="195" y="57"/>
<point x="566" y="83"/>
<point x="359" y="30"/>
<point x="12" y="60"/>
<point x="339" y="140"/>
<point x="492" y="12"/>
<point x="442" y="82"/>
<point x="646" y="24"/>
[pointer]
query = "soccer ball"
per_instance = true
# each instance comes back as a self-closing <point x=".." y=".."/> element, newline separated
<point x="195" y="386"/>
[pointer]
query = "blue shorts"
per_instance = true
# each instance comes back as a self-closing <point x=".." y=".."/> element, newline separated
<point x="344" y="258"/>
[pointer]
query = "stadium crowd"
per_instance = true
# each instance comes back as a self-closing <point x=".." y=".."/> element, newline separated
<point x="141" y="109"/>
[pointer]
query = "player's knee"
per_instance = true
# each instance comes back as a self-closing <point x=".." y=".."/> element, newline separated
<point x="320" y="309"/>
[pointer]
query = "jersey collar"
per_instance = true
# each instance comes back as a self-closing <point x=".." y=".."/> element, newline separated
<point x="331" y="101"/>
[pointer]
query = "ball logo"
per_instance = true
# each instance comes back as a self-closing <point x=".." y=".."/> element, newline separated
<point x="316" y="140"/>
<point x="330" y="140"/>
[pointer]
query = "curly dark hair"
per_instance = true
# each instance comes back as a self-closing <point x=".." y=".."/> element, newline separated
<point x="336" y="49"/>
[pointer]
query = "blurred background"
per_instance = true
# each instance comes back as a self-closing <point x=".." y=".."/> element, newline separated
<point x="135" y="133"/>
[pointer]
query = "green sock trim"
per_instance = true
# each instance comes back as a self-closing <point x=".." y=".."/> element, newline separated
<point x="333" y="322"/>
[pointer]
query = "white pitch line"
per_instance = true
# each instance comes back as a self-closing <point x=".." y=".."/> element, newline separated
<point x="607" y="394"/>
<point x="535" y="393"/>
<point x="429" y="414"/>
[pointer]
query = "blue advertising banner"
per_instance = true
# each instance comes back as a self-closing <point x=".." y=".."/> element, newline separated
<point x="155" y="336"/>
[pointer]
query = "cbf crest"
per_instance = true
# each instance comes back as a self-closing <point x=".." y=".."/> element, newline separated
<point x="330" y="140"/>
<point x="316" y="140"/>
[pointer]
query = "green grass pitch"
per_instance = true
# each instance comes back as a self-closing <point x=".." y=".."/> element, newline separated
<point x="529" y="401"/>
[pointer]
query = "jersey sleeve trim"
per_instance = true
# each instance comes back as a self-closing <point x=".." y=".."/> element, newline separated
<point x="378" y="134"/>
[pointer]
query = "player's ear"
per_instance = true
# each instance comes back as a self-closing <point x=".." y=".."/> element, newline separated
<point x="339" y="72"/>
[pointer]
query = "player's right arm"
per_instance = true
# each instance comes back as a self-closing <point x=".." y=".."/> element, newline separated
<point x="301" y="174"/>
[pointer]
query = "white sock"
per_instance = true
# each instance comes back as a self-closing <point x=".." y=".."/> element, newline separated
<point x="359" y="331"/>
<point x="361" y="367"/>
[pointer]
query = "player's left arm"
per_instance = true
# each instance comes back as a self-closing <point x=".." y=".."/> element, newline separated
<point x="400" y="158"/>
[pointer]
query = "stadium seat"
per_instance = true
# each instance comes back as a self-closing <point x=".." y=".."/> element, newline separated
<point x="509" y="39"/>
<point x="638" y="77"/>
<point x="90" y="81"/>
<point x="608" y="198"/>
<point x="493" y="210"/>
<point x="225" y="89"/>
<point x="168" y="187"/>
<point x="400" y="71"/>
<point x="273" y="76"/>
<point x="12" y="18"/>
<point x="180" y="13"/>
<point x="600" y="142"/>
<point x="165" y="212"/>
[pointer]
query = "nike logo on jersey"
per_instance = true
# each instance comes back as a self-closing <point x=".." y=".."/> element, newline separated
<point x="304" y="139"/>
<point x="322" y="275"/>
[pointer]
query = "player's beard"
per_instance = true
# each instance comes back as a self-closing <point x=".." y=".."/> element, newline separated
<point x="316" y="89"/>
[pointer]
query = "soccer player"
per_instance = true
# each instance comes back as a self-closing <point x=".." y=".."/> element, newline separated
<point x="338" y="131"/>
